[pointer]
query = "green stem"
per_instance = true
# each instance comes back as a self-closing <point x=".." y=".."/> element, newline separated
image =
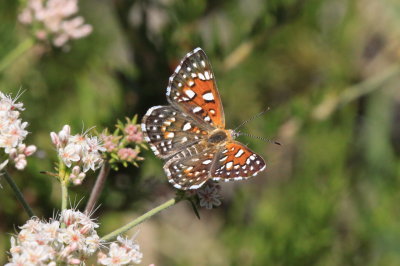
<point x="64" y="195"/>
<point x="63" y="176"/>
<point x="17" y="52"/>
<point x="140" y="219"/>
<point x="18" y="194"/>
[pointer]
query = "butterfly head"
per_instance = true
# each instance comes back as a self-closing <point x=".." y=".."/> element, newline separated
<point x="234" y="134"/>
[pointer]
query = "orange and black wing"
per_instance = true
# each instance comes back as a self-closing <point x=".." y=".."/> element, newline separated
<point x="192" y="89"/>
<point x="236" y="162"/>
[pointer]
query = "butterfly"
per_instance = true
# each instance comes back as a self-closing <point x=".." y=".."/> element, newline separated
<point x="189" y="133"/>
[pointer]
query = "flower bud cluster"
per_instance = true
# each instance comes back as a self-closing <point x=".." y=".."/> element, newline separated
<point x="13" y="132"/>
<point x="49" y="243"/>
<point x="124" y="145"/>
<point x="122" y="252"/>
<point x="54" y="20"/>
<point x="79" y="152"/>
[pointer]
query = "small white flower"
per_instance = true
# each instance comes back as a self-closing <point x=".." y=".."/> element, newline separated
<point x="69" y="154"/>
<point x="116" y="256"/>
<point x="94" y="144"/>
<point x="91" y="161"/>
<point x="209" y="195"/>
<point x="133" y="249"/>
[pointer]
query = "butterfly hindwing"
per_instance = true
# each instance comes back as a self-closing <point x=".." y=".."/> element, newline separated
<point x="189" y="169"/>
<point x="235" y="162"/>
<point x="192" y="88"/>
<point x="168" y="130"/>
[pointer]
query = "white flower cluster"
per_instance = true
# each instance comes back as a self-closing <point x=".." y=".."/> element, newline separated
<point x="54" y="18"/>
<point x="122" y="252"/>
<point x="79" y="152"/>
<point x="48" y="243"/>
<point x="13" y="132"/>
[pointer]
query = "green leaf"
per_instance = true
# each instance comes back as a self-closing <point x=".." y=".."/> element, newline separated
<point x="194" y="207"/>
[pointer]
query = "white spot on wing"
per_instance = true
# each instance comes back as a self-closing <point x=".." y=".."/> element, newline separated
<point x="190" y="93"/>
<point x="187" y="126"/>
<point x="197" y="109"/>
<point x="207" y="75"/>
<point x="223" y="158"/>
<point x="207" y="162"/>
<point x="239" y="153"/>
<point x="208" y="96"/>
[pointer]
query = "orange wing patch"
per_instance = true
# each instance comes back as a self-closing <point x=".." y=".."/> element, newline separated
<point x="235" y="161"/>
<point x="204" y="102"/>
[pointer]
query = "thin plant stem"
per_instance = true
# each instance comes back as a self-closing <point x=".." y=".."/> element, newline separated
<point x="16" y="53"/>
<point x="140" y="219"/>
<point x="98" y="187"/>
<point x="64" y="195"/>
<point x="18" y="194"/>
<point x="64" y="182"/>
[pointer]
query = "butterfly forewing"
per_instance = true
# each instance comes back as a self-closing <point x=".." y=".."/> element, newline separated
<point x="235" y="161"/>
<point x="169" y="130"/>
<point x="192" y="89"/>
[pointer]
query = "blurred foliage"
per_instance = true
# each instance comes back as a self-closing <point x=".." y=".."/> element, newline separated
<point x="329" y="71"/>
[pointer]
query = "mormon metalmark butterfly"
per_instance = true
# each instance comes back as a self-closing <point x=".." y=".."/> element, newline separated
<point x="190" y="135"/>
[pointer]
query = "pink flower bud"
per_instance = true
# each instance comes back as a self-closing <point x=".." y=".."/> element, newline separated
<point x="31" y="149"/>
<point x="76" y="170"/>
<point x="65" y="133"/>
<point x="21" y="148"/>
<point x="74" y="261"/>
<point x="41" y="35"/>
<point x="55" y="139"/>
<point x="20" y="162"/>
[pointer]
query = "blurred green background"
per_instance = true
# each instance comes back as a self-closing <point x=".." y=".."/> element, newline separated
<point x="329" y="70"/>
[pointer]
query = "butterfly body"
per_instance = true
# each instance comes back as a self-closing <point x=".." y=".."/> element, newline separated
<point x="190" y="135"/>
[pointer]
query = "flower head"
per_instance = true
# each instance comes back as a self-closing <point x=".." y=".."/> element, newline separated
<point x="79" y="152"/>
<point x="133" y="134"/>
<point x="55" y="20"/>
<point x="13" y="131"/>
<point x="209" y="195"/>
<point x="124" y="144"/>
<point x="48" y="243"/>
<point x="127" y="154"/>
<point x="122" y="252"/>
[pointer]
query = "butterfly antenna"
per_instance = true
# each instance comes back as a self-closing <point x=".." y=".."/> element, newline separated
<point x="260" y="138"/>
<point x="252" y="118"/>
